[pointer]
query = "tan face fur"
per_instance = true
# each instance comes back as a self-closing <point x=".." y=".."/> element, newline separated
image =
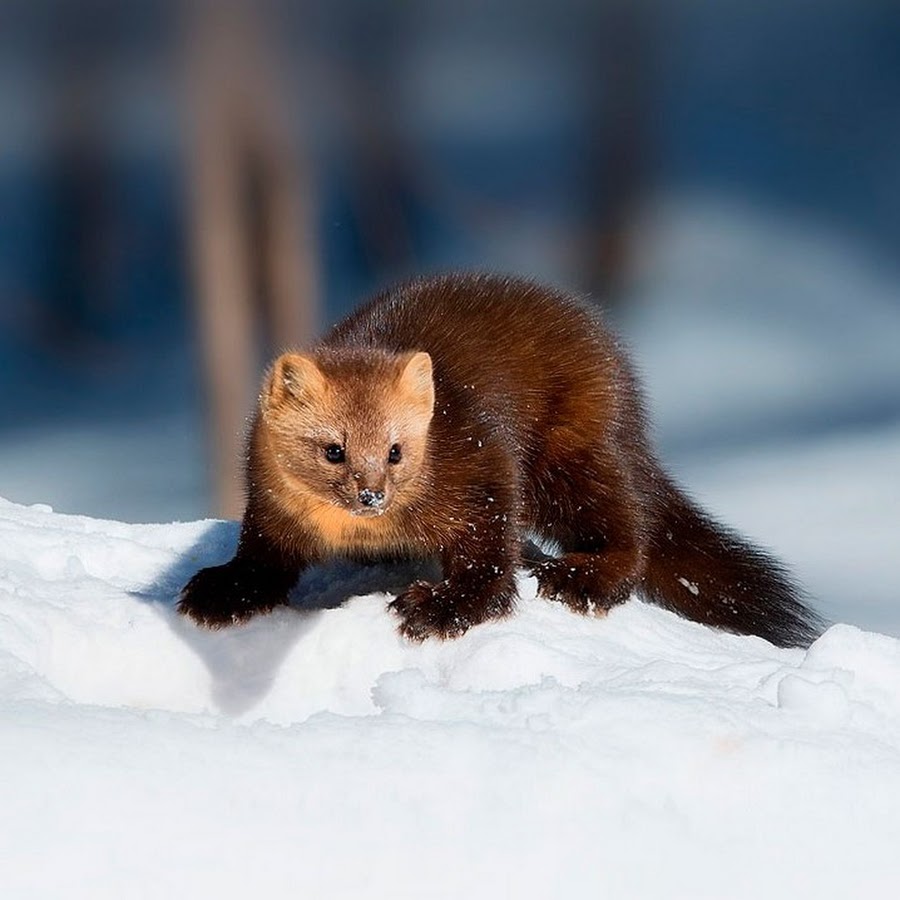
<point x="333" y="420"/>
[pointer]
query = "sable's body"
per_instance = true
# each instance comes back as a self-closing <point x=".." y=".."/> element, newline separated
<point x="510" y="410"/>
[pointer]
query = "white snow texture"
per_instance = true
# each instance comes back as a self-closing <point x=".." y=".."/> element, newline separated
<point x="313" y="753"/>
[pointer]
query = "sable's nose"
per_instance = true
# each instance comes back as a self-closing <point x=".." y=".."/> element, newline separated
<point x="371" y="498"/>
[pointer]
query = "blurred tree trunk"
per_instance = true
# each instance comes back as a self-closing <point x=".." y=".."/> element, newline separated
<point x="618" y="142"/>
<point x="252" y="217"/>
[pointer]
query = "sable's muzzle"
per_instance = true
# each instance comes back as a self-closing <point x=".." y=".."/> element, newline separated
<point x="369" y="503"/>
<point x="373" y="499"/>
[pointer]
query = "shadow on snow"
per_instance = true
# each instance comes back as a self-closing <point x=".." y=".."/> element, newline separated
<point x="244" y="660"/>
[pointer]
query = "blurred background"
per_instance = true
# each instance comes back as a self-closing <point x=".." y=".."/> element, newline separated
<point x="186" y="187"/>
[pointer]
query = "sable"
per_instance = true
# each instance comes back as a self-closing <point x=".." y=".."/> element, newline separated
<point x="453" y="417"/>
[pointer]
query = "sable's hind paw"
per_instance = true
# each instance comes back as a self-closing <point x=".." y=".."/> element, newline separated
<point x="217" y="596"/>
<point x="426" y="611"/>
<point x="574" y="586"/>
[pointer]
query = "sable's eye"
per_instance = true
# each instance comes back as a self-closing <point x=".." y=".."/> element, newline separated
<point x="334" y="453"/>
<point x="395" y="455"/>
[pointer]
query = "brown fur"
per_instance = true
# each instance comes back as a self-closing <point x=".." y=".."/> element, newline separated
<point x="515" y="412"/>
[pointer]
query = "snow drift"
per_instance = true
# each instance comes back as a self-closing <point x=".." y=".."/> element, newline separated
<point x="313" y="753"/>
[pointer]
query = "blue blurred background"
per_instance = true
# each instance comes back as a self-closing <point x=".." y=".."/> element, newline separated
<point x="187" y="187"/>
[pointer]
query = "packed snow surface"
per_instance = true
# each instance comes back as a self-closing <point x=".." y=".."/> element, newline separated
<point x="313" y="753"/>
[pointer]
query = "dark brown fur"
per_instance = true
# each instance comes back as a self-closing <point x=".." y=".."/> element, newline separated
<point x="537" y="427"/>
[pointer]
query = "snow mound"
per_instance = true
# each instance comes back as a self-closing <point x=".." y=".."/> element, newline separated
<point x="312" y="752"/>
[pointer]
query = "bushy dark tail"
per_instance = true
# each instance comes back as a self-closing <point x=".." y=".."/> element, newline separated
<point x="708" y="573"/>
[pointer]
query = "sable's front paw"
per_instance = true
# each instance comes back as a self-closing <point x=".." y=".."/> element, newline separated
<point x="222" y="595"/>
<point x="445" y="610"/>
<point x="427" y="611"/>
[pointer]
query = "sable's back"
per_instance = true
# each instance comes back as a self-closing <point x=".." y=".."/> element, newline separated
<point x="508" y="339"/>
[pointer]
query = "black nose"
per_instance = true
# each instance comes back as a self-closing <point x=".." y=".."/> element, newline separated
<point x="371" y="498"/>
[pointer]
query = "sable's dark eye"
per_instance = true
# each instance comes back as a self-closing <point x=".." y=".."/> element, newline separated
<point x="334" y="453"/>
<point x="395" y="455"/>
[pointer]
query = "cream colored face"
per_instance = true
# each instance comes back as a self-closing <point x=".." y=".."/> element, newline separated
<point x="350" y="430"/>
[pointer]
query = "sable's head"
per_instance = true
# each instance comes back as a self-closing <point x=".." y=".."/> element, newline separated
<point x="349" y="428"/>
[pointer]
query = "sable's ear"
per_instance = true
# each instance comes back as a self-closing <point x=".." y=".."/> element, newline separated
<point x="293" y="376"/>
<point x="417" y="383"/>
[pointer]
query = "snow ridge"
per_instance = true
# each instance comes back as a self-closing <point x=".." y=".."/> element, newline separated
<point x="313" y="750"/>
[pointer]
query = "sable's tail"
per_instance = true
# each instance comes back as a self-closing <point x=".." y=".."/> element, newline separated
<point x="708" y="573"/>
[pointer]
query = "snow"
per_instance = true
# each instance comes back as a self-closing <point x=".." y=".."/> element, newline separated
<point x="314" y="753"/>
<point x="746" y="323"/>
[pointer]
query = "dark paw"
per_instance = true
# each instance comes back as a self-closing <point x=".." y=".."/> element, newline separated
<point x="426" y="611"/>
<point x="443" y="611"/>
<point x="581" y="589"/>
<point x="225" y="595"/>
